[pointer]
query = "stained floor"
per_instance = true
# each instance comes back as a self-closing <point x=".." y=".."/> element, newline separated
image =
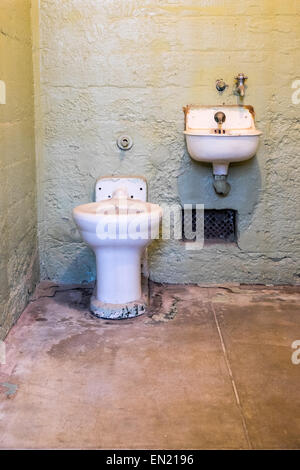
<point x="206" y="368"/>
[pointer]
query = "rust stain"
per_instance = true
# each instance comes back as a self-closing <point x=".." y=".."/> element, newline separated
<point x="9" y="389"/>
<point x="186" y="110"/>
<point x="250" y="109"/>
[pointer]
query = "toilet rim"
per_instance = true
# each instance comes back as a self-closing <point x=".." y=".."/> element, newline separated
<point x="149" y="211"/>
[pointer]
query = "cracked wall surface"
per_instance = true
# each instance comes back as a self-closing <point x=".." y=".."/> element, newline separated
<point x="18" y="209"/>
<point x="125" y="66"/>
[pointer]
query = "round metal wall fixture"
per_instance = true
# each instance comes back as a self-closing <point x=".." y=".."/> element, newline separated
<point x="124" y="142"/>
<point x="221" y="85"/>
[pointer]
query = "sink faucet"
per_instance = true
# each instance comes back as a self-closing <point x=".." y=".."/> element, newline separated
<point x="240" y="86"/>
<point x="220" y="118"/>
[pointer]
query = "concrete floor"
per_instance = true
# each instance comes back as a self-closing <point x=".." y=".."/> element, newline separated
<point x="207" y="368"/>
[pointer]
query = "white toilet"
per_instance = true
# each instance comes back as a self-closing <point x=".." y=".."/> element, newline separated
<point x="118" y="227"/>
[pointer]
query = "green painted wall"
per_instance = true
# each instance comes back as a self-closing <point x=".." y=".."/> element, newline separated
<point x="18" y="219"/>
<point x="113" y="66"/>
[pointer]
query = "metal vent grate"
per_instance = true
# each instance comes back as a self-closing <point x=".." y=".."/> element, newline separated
<point x="219" y="225"/>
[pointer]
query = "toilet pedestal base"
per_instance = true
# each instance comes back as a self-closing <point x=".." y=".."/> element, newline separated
<point x="117" y="311"/>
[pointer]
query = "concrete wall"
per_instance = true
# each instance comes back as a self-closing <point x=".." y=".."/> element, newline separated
<point x="115" y="66"/>
<point x="18" y="219"/>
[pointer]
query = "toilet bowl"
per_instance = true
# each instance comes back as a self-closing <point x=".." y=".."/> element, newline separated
<point x="118" y="227"/>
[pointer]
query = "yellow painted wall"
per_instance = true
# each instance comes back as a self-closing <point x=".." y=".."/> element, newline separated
<point x="18" y="219"/>
<point x="114" y="66"/>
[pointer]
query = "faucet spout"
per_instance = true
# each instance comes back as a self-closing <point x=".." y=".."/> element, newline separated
<point x="240" y="87"/>
<point x="241" y="90"/>
<point x="120" y="193"/>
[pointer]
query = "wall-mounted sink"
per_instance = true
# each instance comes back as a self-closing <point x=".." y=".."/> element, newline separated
<point x="221" y="135"/>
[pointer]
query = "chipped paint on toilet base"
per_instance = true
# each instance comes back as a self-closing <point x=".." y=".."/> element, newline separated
<point x="117" y="311"/>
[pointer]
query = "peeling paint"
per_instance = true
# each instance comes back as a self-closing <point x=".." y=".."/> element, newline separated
<point x="164" y="317"/>
<point x="11" y="389"/>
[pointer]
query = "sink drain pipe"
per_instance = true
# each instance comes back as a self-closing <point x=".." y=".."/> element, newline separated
<point x="221" y="185"/>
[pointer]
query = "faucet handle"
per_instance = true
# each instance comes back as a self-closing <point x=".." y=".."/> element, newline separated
<point x="241" y="76"/>
<point x="221" y="85"/>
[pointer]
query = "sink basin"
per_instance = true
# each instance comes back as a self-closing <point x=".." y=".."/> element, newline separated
<point x="234" y="140"/>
